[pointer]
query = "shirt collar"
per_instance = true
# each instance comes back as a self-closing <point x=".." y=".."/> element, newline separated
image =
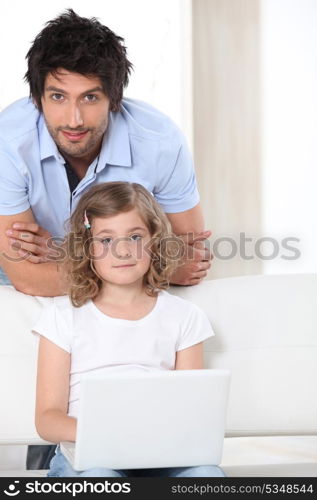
<point x="115" y="148"/>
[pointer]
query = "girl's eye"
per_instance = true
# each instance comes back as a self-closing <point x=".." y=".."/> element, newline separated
<point x="136" y="237"/>
<point x="106" y="241"/>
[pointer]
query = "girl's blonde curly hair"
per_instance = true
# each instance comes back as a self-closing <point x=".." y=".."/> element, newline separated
<point x="106" y="200"/>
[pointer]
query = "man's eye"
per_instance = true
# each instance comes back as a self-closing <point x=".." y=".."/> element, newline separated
<point x="106" y="241"/>
<point x="91" y="97"/>
<point x="57" y="97"/>
<point x="136" y="237"/>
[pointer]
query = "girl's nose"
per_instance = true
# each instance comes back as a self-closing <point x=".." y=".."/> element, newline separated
<point x="123" y="248"/>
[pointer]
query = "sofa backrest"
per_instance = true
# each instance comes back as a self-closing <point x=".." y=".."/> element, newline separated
<point x="266" y="335"/>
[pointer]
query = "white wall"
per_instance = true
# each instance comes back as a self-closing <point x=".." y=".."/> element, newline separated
<point x="155" y="33"/>
<point x="289" y="126"/>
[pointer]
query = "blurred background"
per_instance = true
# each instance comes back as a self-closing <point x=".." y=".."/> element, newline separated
<point x="239" y="77"/>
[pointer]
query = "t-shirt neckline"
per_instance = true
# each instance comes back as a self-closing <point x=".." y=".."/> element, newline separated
<point x="104" y="316"/>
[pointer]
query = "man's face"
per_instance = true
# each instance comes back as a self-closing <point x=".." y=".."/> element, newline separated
<point x="76" y="111"/>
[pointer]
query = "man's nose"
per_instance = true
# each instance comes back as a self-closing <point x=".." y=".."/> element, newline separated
<point x="74" y="116"/>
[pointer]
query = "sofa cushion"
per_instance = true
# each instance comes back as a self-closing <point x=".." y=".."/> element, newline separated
<point x="279" y="456"/>
<point x="270" y="456"/>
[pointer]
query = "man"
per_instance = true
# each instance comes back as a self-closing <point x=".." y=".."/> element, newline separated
<point x="76" y="130"/>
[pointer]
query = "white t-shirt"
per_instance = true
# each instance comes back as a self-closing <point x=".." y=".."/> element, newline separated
<point x="100" y="343"/>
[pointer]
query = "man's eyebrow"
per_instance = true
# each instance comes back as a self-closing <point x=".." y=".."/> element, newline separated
<point x="51" y="88"/>
<point x="136" y="228"/>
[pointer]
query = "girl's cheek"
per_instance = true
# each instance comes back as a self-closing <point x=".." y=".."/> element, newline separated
<point x="146" y="249"/>
<point x="99" y="251"/>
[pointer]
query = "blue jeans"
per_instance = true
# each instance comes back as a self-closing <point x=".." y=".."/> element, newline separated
<point x="60" y="467"/>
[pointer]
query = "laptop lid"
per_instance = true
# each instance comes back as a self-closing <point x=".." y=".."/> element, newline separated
<point x="172" y="418"/>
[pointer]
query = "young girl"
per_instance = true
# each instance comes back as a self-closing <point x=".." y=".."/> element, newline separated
<point x="118" y="315"/>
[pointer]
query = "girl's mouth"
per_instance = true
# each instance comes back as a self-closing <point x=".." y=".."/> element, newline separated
<point x="124" y="265"/>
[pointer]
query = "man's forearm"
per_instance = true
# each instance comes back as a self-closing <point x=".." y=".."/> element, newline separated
<point x="45" y="280"/>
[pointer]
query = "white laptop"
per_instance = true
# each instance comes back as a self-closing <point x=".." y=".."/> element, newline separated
<point x="172" y="418"/>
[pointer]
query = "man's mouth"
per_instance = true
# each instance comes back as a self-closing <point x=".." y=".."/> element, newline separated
<point x="74" y="136"/>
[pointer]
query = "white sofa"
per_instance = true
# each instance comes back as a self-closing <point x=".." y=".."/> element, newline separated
<point x="266" y="334"/>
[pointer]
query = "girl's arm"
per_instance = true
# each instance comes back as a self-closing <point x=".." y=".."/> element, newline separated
<point x="51" y="420"/>
<point x="190" y="358"/>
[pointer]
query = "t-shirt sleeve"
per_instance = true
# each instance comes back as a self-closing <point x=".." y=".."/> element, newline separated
<point x="13" y="189"/>
<point x="176" y="190"/>
<point x="195" y="328"/>
<point x="54" y="325"/>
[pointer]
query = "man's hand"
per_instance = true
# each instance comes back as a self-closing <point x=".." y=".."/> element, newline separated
<point x="196" y="262"/>
<point x="31" y="242"/>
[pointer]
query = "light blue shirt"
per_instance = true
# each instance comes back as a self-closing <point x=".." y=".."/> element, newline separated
<point x="140" y="145"/>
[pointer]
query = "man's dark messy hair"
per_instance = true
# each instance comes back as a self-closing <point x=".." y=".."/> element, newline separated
<point x="79" y="45"/>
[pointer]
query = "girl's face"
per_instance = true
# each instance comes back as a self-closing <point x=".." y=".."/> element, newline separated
<point x="119" y="248"/>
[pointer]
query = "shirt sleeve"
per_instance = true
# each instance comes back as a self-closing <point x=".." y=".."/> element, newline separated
<point x="195" y="328"/>
<point x="177" y="188"/>
<point x="54" y="325"/>
<point x="13" y="188"/>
